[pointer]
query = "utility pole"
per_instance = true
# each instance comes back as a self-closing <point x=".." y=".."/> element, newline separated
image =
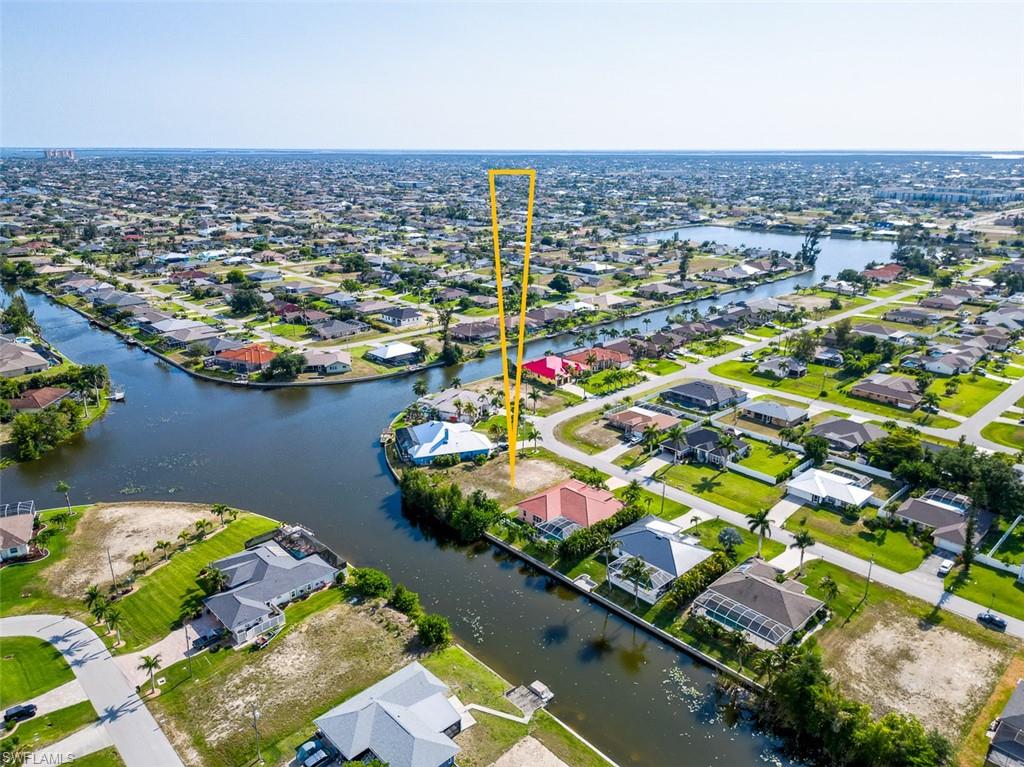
<point x="113" y="580"/>
<point x="256" y="729"/>
<point x="188" y="648"/>
<point x="867" y="585"/>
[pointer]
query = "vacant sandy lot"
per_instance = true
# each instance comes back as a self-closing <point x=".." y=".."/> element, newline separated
<point x="529" y="752"/>
<point x="532" y="476"/>
<point x="598" y="432"/>
<point x="809" y="302"/>
<point x="123" y="528"/>
<point x="935" y="673"/>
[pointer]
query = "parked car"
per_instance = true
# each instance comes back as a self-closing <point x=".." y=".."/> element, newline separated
<point x="993" y="621"/>
<point x="313" y="753"/>
<point x="18" y="713"/>
<point x="945" y="566"/>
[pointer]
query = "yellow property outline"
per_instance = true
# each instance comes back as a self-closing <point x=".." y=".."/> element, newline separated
<point x="512" y="403"/>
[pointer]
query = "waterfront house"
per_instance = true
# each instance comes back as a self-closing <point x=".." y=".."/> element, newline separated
<point x="424" y="443"/>
<point x="1006" y="746"/>
<point x="327" y="361"/>
<point x="751" y="599"/>
<point x="247" y="359"/>
<point x="663" y="547"/>
<point x="705" y="395"/>
<point x="885" y="273"/>
<point x="599" y="358"/>
<point x="475" y="331"/>
<point x="459" y="405"/>
<point x="34" y="400"/>
<point x="944" y="514"/>
<point x="18" y="359"/>
<point x="846" y="436"/>
<point x="394" y="354"/>
<point x="706" y="446"/>
<point x="405" y="720"/>
<point x="772" y="413"/>
<point x="258" y="582"/>
<point x="17" y="527"/>
<point x="575" y="501"/>
<point x="888" y="389"/>
<point x="823" y="488"/>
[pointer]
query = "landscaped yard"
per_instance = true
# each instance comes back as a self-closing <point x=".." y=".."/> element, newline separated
<point x="50" y="728"/>
<point x="105" y="757"/>
<point x="891" y="549"/>
<point x="712" y="348"/>
<point x="157" y="604"/>
<point x="770" y="459"/>
<point x="29" y="667"/>
<point x="970" y="397"/>
<point x="609" y="381"/>
<point x="1008" y="434"/>
<point x="726" y="488"/>
<point x="990" y="588"/>
<point x="652" y="503"/>
<point x="709" y="530"/>
<point x="659" y="367"/>
<point x="1011" y="550"/>
<point x="820" y="378"/>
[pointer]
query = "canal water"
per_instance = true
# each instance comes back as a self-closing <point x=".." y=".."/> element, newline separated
<point x="310" y="455"/>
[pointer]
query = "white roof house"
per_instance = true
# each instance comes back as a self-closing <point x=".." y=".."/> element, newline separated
<point x="391" y="351"/>
<point x="823" y="487"/>
<point x="423" y="443"/>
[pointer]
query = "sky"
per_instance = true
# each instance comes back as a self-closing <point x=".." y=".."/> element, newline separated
<point x="532" y="76"/>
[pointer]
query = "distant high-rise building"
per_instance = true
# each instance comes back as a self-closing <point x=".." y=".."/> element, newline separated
<point x="59" y="154"/>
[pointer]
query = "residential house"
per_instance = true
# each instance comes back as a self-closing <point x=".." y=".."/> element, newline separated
<point x="945" y="300"/>
<point x="247" y="359"/>
<point x="636" y="420"/>
<point x="17" y="527"/>
<point x="772" y="413"/>
<point x="572" y="500"/>
<point x="944" y="514"/>
<point x="331" y="329"/>
<point x="1006" y="745"/>
<point x="553" y="368"/>
<point x="846" y="436"/>
<point x="401" y="317"/>
<point x="827" y="355"/>
<point x="659" y="291"/>
<point x="957" y="359"/>
<point x="885" y="273"/>
<point x="707" y="446"/>
<point x="342" y="299"/>
<point x="458" y="405"/>
<point x="883" y="333"/>
<point x="475" y="331"/>
<point x="424" y="443"/>
<point x="327" y="361"/>
<point x="258" y="582"/>
<point x="888" y="389"/>
<point x="663" y="547"/>
<point x="751" y="599"/>
<point x="18" y="359"/>
<point x="823" y="488"/>
<point x="34" y="400"/>
<point x="405" y="720"/>
<point x="781" y="367"/>
<point x="911" y="315"/>
<point x="707" y="396"/>
<point x="394" y="354"/>
<point x="599" y="358"/>
<point x="177" y="339"/>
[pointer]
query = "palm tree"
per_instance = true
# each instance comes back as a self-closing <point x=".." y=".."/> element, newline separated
<point x="633" y="492"/>
<point x="202" y="527"/>
<point x="738" y="641"/>
<point x="456" y="383"/>
<point x="802" y="540"/>
<point x="213" y="579"/>
<point x="164" y="547"/>
<point x="606" y="546"/>
<point x="764" y="664"/>
<point x="184" y="536"/>
<point x="829" y="588"/>
<point x="139" y="561"/>
<point x="420" y="388"/>
<point x="99" y="609"/>
<point x="760" y="525"/>
<point x="220" y="511"/>
<point x="636" y="572"/>
<point x="651" y="437"/>
<point x="930" y="399"/>
<point x="65" y="488"/>
<point x="533" y="396"/>
<point x="93" y="594"/>
<point x="150" y="663"/>
<point x="675" y="436"/>
<point x="113" y="620"/>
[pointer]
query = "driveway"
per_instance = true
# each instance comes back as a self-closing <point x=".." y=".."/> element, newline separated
<point x="784" y="509"/>
<point x="123" y="716"/>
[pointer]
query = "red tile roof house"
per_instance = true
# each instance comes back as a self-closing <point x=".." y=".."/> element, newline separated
<point x="884" y="273"/>
<point x="34" y="400"/>
<point x="599" y="358"/>
<point x="552" y="368"/>
<point x="248" y="359"/>
<point x="572" y="500"/>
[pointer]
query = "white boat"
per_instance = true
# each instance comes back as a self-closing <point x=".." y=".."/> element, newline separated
<point x="116" y="395"/>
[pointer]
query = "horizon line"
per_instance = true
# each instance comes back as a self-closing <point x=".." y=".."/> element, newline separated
<point x="455" y="150"/>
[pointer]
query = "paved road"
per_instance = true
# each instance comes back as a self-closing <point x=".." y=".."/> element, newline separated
<point x="920" y="585"/>
<point x="122" y="713"/>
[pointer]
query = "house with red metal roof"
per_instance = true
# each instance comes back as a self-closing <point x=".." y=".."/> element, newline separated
<point x="553" y="368"/>
<point x="248" y="359"/>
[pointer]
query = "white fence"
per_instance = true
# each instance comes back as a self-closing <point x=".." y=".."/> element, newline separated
<point x="861" y="467"/>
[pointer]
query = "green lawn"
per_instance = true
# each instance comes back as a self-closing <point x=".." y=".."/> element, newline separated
<point x="105" y="757"/>
<point x="1008" y="434"/>
<point x="659" y="367"/>
<point x="770" y="459"/>
<point x="29" y="667"/>
<point x="291" y="331"/>
<point x="891" y="549"/>
<point x="989" y="587"/>
<point x="970" y="397"/>
<point x="652" y="502"/>
<point x="1011" y="550"/>
<point x="726" y="488"/>
<point x="820" y="378"/>
<point x="22" y="590"/>
<point x="50" y="728"/>
<point x="605" y="382"/>
<point x="709" y="530"/>
<point x="712" y="348"/>
<point x="764" y="332"/>
<point x="157" y="604"/>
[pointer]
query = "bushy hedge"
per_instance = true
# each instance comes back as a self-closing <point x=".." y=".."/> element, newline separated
<point x="469" y="516"/>
<point x="587" y="540"/>
<point x="688" y="585"/>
